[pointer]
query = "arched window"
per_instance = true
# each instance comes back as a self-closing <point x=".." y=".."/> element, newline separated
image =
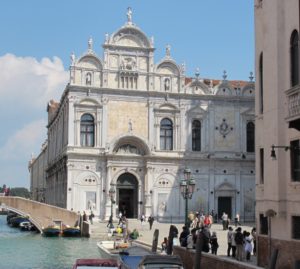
<point x="261" y="84"/>
<point x="166" y="134"/>
<point x="250" y="136"/>
<point x="87" y="130"/>
<point x="196" y="135"/>
<point x="294" y="59"/>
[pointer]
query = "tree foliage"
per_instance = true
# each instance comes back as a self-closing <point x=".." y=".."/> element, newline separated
<point x="19" y="191"/>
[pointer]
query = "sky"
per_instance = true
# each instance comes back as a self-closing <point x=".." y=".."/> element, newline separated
<point x="37" y="38"/>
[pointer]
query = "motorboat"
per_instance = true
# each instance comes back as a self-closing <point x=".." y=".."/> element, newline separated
<point x="110" y="249"/>
<point x="27" y="226"/>
<point x="96" y="263"/>
<point x="51" y="231"/>
<point x="71" y="231"/>
<point x="160" y="261"/>
<point x="15" y="221"/>
<point x="132" y="256"/>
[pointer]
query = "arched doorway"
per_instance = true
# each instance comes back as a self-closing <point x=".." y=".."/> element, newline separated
<point x="127" y="195"/>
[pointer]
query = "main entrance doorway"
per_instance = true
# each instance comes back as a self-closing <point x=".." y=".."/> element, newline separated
<point x="127" y="195"/>
<point x="224" y="205"/>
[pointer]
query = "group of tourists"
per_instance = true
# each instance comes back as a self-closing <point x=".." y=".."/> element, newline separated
<point x="241" y="244"/>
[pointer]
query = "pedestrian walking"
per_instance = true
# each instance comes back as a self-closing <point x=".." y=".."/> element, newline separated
<point x="91" y="216"/>
<point x="214" y="243"/>
<point x="239" y="240"/>
<point x="150" y="220"/>
<point x="248" y="246"/>
<point x="237" y="220"/>
<point x="253" y="234"/>
<point x="224" y="221"/>
<point x="229" y="240"/>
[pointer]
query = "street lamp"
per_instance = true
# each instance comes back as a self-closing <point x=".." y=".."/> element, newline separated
<point x="112" y="193"/>
<point x="187" y="187"/>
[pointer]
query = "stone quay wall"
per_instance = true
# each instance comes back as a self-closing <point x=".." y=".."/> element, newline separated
<point x="209" y="261"/>
<point x="288" y="252"/>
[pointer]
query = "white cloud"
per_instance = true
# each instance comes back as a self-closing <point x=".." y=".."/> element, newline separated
<point x="26" y="86"/>
<point x="31" y="81"/>
<point x="24" y="142"/>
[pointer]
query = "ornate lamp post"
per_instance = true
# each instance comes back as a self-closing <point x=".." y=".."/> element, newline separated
<point x="187" y="187"/>
<point x="112" y="193"/>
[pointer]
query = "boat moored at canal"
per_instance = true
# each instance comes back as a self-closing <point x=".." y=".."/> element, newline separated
<point x="96" y="263"/>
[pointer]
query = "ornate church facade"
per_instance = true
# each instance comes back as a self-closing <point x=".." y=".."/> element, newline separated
<point x="127" y="123"/>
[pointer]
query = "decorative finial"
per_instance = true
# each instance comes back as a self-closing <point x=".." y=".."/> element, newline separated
<point x="129" y="15"/>
<point x="251" y="76"/>
<point x="197" y="73"/>
<point x="90" y="45"/>
<point x="211" y="84"/>
<point x="224" y="75"/>
<point x="168" y="50"/>
<point x="72" y="57"/>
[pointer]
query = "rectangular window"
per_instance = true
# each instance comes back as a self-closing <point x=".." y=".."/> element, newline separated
<point x="261" y="166"/>
<point x="263" y="224"/>
<point x="296" y="227"/>
<point x="295" y="160"/>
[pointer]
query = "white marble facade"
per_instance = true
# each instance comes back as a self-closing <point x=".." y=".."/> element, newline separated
<point x="141" y="114"/>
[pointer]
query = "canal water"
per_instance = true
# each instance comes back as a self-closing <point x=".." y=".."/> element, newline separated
<point x="30" y="250"/>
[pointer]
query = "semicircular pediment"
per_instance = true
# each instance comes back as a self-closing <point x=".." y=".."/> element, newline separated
<point x="168" y="68"/>
<point x="130" y="36"/>
<point x="130" y="145"/>
<point x="90" y="62"/>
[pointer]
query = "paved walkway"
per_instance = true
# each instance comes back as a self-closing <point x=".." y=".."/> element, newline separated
<point x="99" y="230"/>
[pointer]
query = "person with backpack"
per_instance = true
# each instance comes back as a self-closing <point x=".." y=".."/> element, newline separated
<point x="239" y="240"/>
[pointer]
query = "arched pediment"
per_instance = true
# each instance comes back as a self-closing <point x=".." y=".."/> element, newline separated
<point x="167" y="106"/>
<point x="130" y="145"/>
<point x="197" y="110"/>
<point x="248" y="90"/>
<point x="87" y="178"/>
<point x="223" y="89"/>
<point x="197" y="87"/>
<point x="89" y="101"/>
<point x="90" y="61"/>
<point x="166" y="180"/>
<point x="130" y="36"/>
<point x="225" y="186"/>
<point x="168" y="67"/>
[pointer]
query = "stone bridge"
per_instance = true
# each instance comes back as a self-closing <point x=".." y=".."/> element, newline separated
<point x="40" y="214"/>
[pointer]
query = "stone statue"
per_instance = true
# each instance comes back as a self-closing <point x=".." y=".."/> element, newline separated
<point x="90" y="44"/>
<point x="106" y="38"/>
<point x="167" y="84"/>
<point x="129" y="15"/>
<point x="72" y="56"/>
<point x="152" y="41"/>
<point x="168" y="50"/>
<point x="183" y="68"/>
